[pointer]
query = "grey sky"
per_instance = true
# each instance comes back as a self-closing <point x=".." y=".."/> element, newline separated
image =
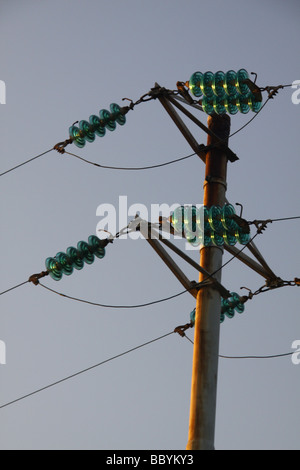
<point x="62" y="61"/>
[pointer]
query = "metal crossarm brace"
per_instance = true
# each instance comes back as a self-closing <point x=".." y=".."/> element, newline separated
<point x="187" y="284"/>
<point x="223" y="291"/>
<point x="153" y="237"/>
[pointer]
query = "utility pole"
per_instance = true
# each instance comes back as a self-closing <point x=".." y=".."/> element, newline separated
<point x="208" y="307"/>
<point x="208" y="300"/>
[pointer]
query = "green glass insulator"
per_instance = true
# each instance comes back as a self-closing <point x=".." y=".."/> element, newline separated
<point x="218" y="84"/>
<point x="193" y="316"/>
<point x="222" y="317"/>
<point x="243" y="238"/>
<point x="230" y="105"/>
<point x="255" y="105"/>
<point x="87" y="131"/>
<point x="241" y="86"/>
<point x="206" y="227"/>
<point x="65" y="263"/>
<point x="242" y="104"/>
<point x="206" y="84"/>
<point x="226" y="218"/>
<point x="177" y="219"/>
<point x="229" y="238"/>
<point x="117" y="114"/>
<point x="215" y="218"/>
<point x="219" y="105"/>
<point x="207" y="105"/>
<point x="190" y="237"/>
<point x="238" y="305"/>
<point x="230" y="83"/>
<point x="198" y="240"/>
<point x="227" y="308"/>
<point x="75" y="257"/>
<point x="105" y="116"/>
<point x="207" y="239"/>
<point x="96" y="123"/>
<point x="83" y="249"/>
<point x="200" y="218"/>
<point x="54" y="269"/>
<point x="96" y="246"/>
<point x="194" y="84"/>
<point x="217" y="239"/>
<point x="76" y="136"/>
<point x="190" y="218"/>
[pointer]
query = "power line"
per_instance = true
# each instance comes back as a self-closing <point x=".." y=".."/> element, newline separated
<point x="150" y="167"/>
<point x="273" y="356"/>
<point x="247" y="123"/>
<point x="152" y="302"/>
<point x="27" y="161"/>
<point x="155" y="301"/>
<point x="12" y="288"/>
<point x="117" y="306"/>
<point x="138" y="168"/>
<point x="137" y="305"/>
<point x="285" y="218"/>
<point x="84" y="370"/>
<point x="46" y="387"/>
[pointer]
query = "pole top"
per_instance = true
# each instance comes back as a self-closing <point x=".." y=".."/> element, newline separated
<point x="219" y="125"/>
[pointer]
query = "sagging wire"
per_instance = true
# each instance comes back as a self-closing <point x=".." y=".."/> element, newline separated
<point x="181" y="330"/>
<point x="149" y="167"/>
<point x="132" y="226"/>
<point x="96" y="304"/>
<point x="153" y="94"/>
<point x="271" y="356"/>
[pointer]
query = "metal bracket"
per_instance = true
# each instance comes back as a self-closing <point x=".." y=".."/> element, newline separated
<point x="153" y="237"/>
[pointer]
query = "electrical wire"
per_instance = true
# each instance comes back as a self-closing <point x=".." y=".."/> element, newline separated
<point x="150" y="167"/>
<point x="285" y="218"/>
<point x="83" y="371"/>
<point x="252" y="119"/>
<point x="137" y="168"/>
<point x="273" y="356"/>
<point x="27" y="161"/>
<point x="15" y="287"/>
<point x="137" y="305"/>
<point x="130" y="306"/>
<point x="46" y="387"/>
<point x="118" y="306"/>
<point x="236" y="254"/>
<point x="152" y="302"/>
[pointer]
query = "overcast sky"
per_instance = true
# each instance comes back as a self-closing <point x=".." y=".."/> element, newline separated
<point x="62" y="61"/>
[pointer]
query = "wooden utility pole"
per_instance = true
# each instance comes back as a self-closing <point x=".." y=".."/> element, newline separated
<point x="208" y="308"/>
